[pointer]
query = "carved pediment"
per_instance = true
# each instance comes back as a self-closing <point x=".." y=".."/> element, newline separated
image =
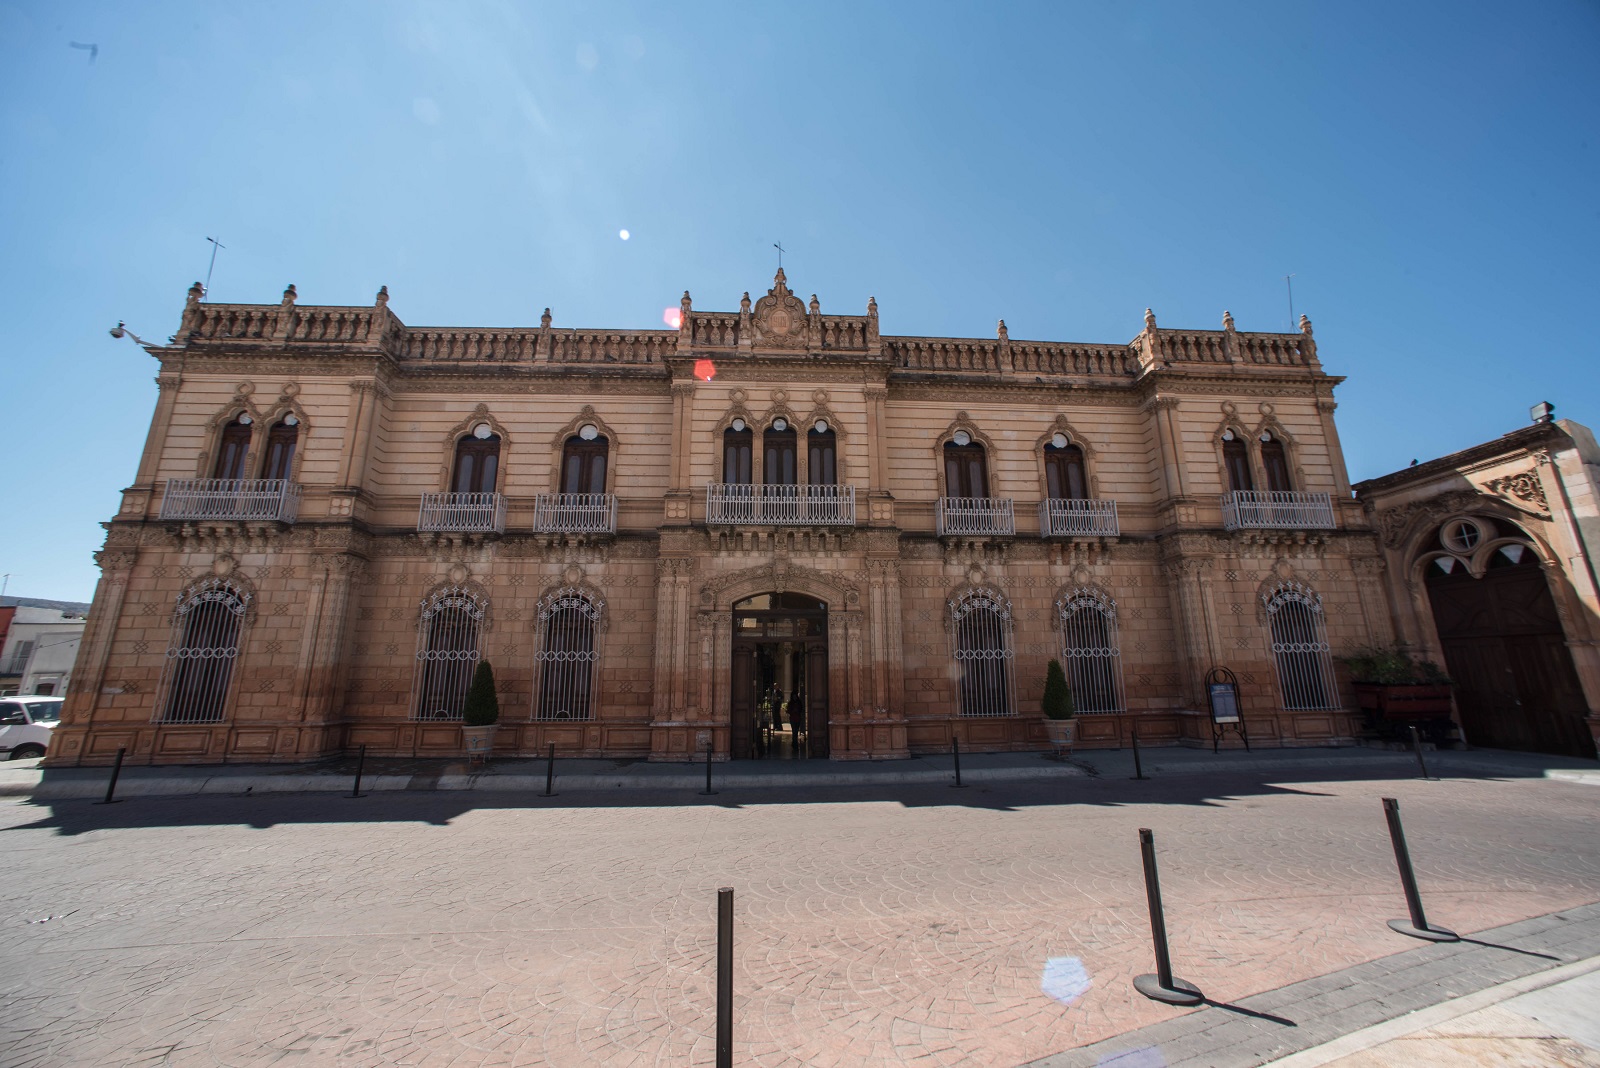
<point x="780" y="317"/>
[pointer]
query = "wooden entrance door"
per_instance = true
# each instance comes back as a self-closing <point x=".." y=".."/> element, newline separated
<point x="817" y="699"/>
<point x="1504" y="647"/>
<point x="743" y="699"/>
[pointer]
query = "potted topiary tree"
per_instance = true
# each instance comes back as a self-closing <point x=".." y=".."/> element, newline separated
<point x="1059" y="725"/>
<point x="480" y="714"/>
<point x="1391" y="686"/>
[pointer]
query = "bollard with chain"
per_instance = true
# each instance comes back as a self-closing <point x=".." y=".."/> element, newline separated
<point x="955" y="755"/>
<point x="725" y="977"/>
<point x="550" y="773"/>
<point x="708" y="791"/>
<point x="361" y="765"/>
<point x="1417" y="926"/>
<point x="1161" y="986"/>
<point x="116" y="770"/>
<point x="1416" y="745"/>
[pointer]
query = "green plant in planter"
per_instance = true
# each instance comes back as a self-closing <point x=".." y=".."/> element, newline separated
<point x="1393" y="665"/>
<point x="1057" y="701"/>
<point x="483" y="707"/>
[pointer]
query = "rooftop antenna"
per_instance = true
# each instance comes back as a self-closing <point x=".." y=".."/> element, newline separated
<point x="1288" y="280"/>
<point x="779" y="247"/>
<point x="5" y="583"/>
<point x="215" y="244"/>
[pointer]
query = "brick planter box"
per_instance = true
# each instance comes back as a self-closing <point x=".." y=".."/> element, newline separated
<point x="1404" y="702"/>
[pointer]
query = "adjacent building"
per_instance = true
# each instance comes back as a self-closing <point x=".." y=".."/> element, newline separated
<point x="39" y="644"/>
<point x="771" y="530"/>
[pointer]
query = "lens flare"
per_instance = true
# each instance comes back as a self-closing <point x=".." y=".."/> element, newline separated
<point x="705" y="370"/>
<point x="673" y="317"/>
<point x="624" y="234"/>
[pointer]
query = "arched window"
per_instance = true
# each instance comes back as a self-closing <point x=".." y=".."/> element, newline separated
<point x="205" y="647"/>
<point x="232" y="448"/>
<point x="1089" y="649"/>
<point x="778" y="454"/>
<point x="822" y="456"/>
<point x="583" y="461"/>
<point x="1300" y="647"/>
<point x="1275" y="463"/>
<point x="965" y="473"/>
<point x="1063" y="471"/>
<point x="1236" y="459"/>
<point x="982" y="621"/>
<point x="448" y="637"/>
<point x="569" y="626"/>
<point x="281" y="441"/>
<point x="477" y="461"/>
<point x="736" y="442"/>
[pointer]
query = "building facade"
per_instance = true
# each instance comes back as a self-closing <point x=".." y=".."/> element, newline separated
<point x="39" y="645"/>
<point x="770" y="531"/>
<point x="1489" y="556"/>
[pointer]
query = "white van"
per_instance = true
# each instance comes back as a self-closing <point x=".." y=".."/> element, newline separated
<point x="26" y="724"/>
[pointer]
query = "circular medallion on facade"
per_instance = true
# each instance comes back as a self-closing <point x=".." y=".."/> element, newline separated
<point x="291" y="420"/>
<point x="483" y="431"/>
<point x="457" y="574"/>
<point x="780" y="423"/>
<point x="1059" y="441"/>
<point x="821" y="426"/>
<point x="245" y="420"/>
<point x="961" y="437"/>
<point x="588" y="432"/>
<point x="737" y="424"/>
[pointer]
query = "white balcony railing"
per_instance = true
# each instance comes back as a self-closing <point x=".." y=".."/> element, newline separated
<point x="231" y="499"/>
<point x="1276" y="510"/>
<point x="976" y="515"/>
<point x="796" y="506"/>
<point x="1080" y="518"/>
<point x="575" y="513"/>
<point x="462" y="513"/>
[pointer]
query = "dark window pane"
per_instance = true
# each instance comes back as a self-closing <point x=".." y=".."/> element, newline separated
<point x="231" y="452"/>
<point x="1276" y="464"/>
<point x="1237" y="461"/>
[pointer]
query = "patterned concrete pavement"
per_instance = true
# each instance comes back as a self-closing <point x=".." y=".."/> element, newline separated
<point x="890" y="925"/>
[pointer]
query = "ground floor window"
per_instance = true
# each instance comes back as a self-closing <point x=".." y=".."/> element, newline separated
<point x="569" y="630"/>
<point x="448" y="637"/>
<point x="982" y="621"/>
<point x="1300" y="647"/>
<point x="1090" y="651"/>
<point x="200" y="663"/>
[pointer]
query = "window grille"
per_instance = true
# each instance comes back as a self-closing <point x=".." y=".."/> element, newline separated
<point x="448" y="636"/>
<point x="569" y="626"/>
<point x="1089" y="648"/>
<point x="1300" y="647"/>
<point x="984" y="656"/>
<point x="200" y="662"/>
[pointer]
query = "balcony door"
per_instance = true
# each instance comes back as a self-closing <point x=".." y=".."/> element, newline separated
<point x="477" y="464"/>
<point x="1063" y="473"/>
<point x="583" y="465"/>
<point x="232" y="449"/>
<point x="281" y="441"/>
<point x="778" y="460"/>
<point x="965" y="473"/>
<point x="1237" y="461"/>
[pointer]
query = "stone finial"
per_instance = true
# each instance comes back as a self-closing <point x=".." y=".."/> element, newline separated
<point x="1227" y="321"/>
<point x="1001" y="331"/>
<point x="196" y="291"/>
<point x="289" y="295"/>
<point x="1149" y="319"/>
<point x="383" y="296"/>
<point x="816" y="308"/>
<point x="1305" y="326"/>
<point x="872" y="307"/>
<point x="744" y="301"/>
<point x="544" y="320"/>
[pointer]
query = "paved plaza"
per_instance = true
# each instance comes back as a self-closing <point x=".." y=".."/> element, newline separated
<point x="894" y="924"/>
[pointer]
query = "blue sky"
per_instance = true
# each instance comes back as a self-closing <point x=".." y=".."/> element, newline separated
<point x="1428" y="173"/>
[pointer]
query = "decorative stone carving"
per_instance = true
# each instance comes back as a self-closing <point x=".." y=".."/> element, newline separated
<point x="1523" y="486"/>
<point x="780" y="317"/>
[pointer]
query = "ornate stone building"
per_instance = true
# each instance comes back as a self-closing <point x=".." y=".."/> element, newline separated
<point x="771" y="530"/>
<point x="1490" y="567"/>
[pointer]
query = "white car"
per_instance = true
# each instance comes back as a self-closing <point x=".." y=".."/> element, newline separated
<point x="26" y="724"/>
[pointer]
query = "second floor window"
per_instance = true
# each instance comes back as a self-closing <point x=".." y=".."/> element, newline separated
<point x="281" y="441"/>
<point x="477" y="461"/>
<point x="822" y="457"/>
<point x="1237" y="461"/>
<point x="778" y="454"/>
<point x="965" y="473"/>
<point x="1275" y="463"/>
<point x="232" y="449"/>
<point x="583" y="463"/>
<point x="736" y="454"/>
<point x="1063" y="473"/>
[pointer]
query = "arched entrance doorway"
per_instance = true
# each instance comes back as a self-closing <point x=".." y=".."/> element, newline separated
<point x="1503" y="645"/>
<point x="779" y="692"/>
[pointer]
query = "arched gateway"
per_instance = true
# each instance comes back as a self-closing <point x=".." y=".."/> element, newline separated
<point x="779" y="690"/>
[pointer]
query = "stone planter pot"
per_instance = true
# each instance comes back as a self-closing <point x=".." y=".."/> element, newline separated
<point x="1061" y="732"/>
<point x="479" y="742"/>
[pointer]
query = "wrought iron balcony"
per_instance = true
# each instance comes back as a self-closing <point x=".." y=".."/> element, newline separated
<point x="788" y="506"/>
<point x="1060" y="518"/>
<point x="976" y="515"/>
<point x="231" y="499"/>
<point x="575" y="513"/>
<point x="1276" y="510"/>
<point x="462" y="513"/>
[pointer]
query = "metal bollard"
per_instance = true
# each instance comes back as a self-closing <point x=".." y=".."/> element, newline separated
<point x="725" y="977"/>
<point x="550" y="773"/>
<point x="361" y="765"/>
<point x="1161" y="986"/>
<point x="1418" y="927"/>
<point x="955" y="755"/>
<point x="708" y="791"/>
<point x="1416" y="746"/>
<point x="1138" y="765"/>
<point x="116" y="770"/>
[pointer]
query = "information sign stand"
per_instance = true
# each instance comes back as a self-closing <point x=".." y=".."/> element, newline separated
<point x="1222" y="692"/>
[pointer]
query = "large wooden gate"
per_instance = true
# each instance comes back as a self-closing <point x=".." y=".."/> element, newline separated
<point x="1504" y="647"/>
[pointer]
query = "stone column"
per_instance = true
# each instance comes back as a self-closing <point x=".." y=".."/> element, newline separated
<point x="1193" y="621"/>
<point x="365" y="395"/>
<point x="1169" y="446"/>
<point x="150" y="460"/>
<point x="328" y="615"/>
<point x="1330" y="437"/>
<point x="680" y="495"/>
<point x="880" y="502"/>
